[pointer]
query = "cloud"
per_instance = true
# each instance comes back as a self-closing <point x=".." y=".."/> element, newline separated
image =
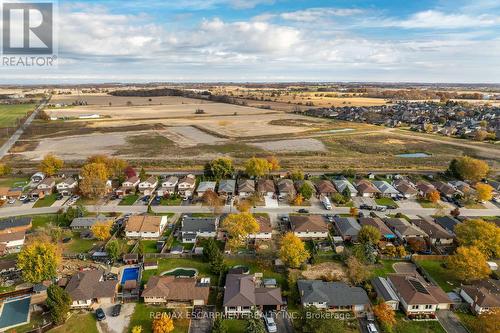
<point x="314" y="14"/>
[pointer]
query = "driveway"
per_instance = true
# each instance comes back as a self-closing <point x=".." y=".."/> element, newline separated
<point x="202" y="322"/>
<point x="450" y="322"/>
<point x="283" y="322"/>
<point x="270" y="202"/>
<point x="117" y="324"/>
<point x="358" y="201"/>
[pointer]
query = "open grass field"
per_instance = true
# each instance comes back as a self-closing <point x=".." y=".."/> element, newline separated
<point x="9" y="114"/>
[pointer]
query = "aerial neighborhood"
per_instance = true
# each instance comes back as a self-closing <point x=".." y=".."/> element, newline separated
<point x="382" y="249"/>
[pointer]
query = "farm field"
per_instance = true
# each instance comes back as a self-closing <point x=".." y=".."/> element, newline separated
<point x="9" y="114"/>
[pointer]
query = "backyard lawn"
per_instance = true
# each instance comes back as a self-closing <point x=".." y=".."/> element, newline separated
<point x="47" y="201"/>
<point x="149" y="246"/>
<point x="14" y="182"/>
<point x="442" y="275"/>
<point x="9" y="114"/>
<point x="143" y="316"/>
<point x="262" y="266"/>
<point x="78" y="323"/>
<point x="129" y="200"/>
<point x="384" y="268"/>
<point x="79" y="245"/>
<point x="171" y="263"/>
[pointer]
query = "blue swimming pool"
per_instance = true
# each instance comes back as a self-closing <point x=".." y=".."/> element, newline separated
<point x="130" y="273"/>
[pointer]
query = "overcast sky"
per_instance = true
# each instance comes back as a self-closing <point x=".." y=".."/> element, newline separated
<point x="273" y="40"/>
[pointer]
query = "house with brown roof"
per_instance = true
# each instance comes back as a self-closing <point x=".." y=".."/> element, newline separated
<point x="173" y="291"/>
<point x="299" y="183"/>
<point x="148" y="186"/>
<point x="424" y="188"/>
<point x="309" y="226"/>
<point x="12" y="242"/>
<point x="482" y="296"/>
<point x="266" y="187"/>
<point x="446" y="189"/>
<point x="246" y="187"/>
<point x="418" y="298"/>
<point x="244" y="293"/>
<point x="145" y="226"/>
<point x="90" y="287"/>
<point x="325" y="187"/>
<point x="435" y="233"/>
<point x="366" y="189"/>
<point x="186" y="185"/>
<point x="128" y="186"/>
<point x="376" y="222"/>
<point x="43" y="188"/>
<point x="265" y="228"/>
<point x="406" y="188"/>
<point x="404" y="229"/>
<point x="286" y="189"/>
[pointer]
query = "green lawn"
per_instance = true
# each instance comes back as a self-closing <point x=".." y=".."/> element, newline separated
<point x="442" y="275"/>
<point x="427" y="204"/>
<point x="129" y="200"/>
<point x="475" y="205"/>
<point x="170" y="202"/>
<point x="143" y="315"/>
<point x="384" y="268"/>
<point x="36" y="319"/>
<point x="168" y="264"/>
<point x="47" y="201"/>
<point x="78" y="323"/>
<point x="262" y="266"/>
<point x="79" y="245"/>
<point x="386" y="202"/>
<point x="235" y="325"/>
<point x="412" y="326"/>
<point x="149" y="246"/>
<point x="14" y="181"/>
<point x="9" y="114"/>
<point x="42" y="220"/>
<point x="187" y="246"/>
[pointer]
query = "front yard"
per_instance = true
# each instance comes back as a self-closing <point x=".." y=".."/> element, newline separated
<point x="129" y="200"/>
<point x="386" y="202"/>
<point x="144" y="315"/>
<point x="412" y="326"/>
<point x="47" y="201"/>
<point x="78" y="323"/>
<point x="428" y="204"/>
<point x="235" y="325"/>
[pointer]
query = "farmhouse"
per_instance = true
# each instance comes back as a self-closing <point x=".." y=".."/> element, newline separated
<point x="347" y="227"/>
<point x="90" y="287"/>
<point x="246" y="187"/>
<point x="145" y="226"/>
<point x="186" y="185"/>
<point x="173" y="291"/>
<point x="244" y="293"/>
<point x="194" y="227"/>
<point x="334" y="296"/>
<point x="309" y="226"/>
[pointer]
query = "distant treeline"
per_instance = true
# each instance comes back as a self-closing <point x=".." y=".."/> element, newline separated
<point x="153" y="92"/>
<point x="418" y="94"/>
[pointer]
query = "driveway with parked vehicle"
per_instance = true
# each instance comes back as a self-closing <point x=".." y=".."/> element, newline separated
<point x="116" y="322"/>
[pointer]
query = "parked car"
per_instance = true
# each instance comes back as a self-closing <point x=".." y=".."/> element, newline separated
<point x="59" y="196"/>
<point x="371" y="328"/>
<point x="303" y="211"/>
<point x="365" y="206"/>
<point x="270" y="324"/>
<point x="115" y="312"/>
<point x="100" y="315"/>
<point x="23" y="197"/>
<point x="11" y="201"/>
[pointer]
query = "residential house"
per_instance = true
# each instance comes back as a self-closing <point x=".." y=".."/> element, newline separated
<point x="462" y="186"/>
<point x="186" y="185"/>
<point x="128" y="186"/>
<point x="347" y="227"/>
<point x="15" y="224"/>
<point x="43" y="188"/>
<point x="81" y="223"/>
<point x="425" y="188"/>
<point x="66" y="186"/>
<point x="385" y="292"/>
<point x="366" y="188"/>
<point x="344" y="186"/>
<point x="482" y="296"/>
<point x="286" y="190"/>
<point x="417" y="297"/>
<point x="386" y="189"/>
<point x="245" y="293"/>
<point x="168" y="186"/>
<point x="266" y="187"/>
<point x="265" y="228"/>
<point x="87" y="288"/>
<point x="145" y="226"/>
<point x="8" y="265"/>
<point x="436" y="233"/>
<point x="246" y="187"/>
<point x="148" y="186"/>
<point x="325" y="187"/>
<point x="376" y="222"/>
<point x="12" y="242"/>
<point x="404" y="229"/>
<point x="227" y="187"/>
<point x="38" y="177"/>
<point x="309" y="226"/>
<point x="299" y="183"/>
<point x="194" y="227"/>
<point x="448" y="223"/>
<point x="334" y="296"/>
<point x="173" y="291"/>
<point x="204" y="187"/>
<point x="406" y="188"/>
<point x="446" y="189"/>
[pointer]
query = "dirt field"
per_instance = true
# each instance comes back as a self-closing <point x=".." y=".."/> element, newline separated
<point x="324" y="269"/>
<point x="186" y="136"/>
<point x="292" y="145"/>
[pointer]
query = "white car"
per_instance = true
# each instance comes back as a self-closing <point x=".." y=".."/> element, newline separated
<point x="23" y="197"/>
<point x="11" y="201"/>
<point x="270" y="324"/>
<point x="371" y="328"/>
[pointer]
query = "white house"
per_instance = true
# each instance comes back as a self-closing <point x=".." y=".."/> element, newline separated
<point x="186" y="185"/>
<point x="66" y="186"/>
<point x="148" y="186"/>
<point x="168" y="186"/>
<point x="193" y="228"/>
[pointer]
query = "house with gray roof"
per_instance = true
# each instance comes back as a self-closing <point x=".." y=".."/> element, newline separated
<point x="246" y="187"/>
<point x="227" y="187"/>
<point x="244" y="293"/>
<point x="347" y="227"/>
<point x="448" y="223"/>
<point x="204" y="187"/>
<point x="343" y="184"/>
<point x="80" y="223"/>
<point x="385" y="292"/>
<point x="89" y="287"/>
<point x="194" y="227"/>
<point x="286" y="189"/>
<point x="386" y="189"/>
<point x="334" y="296"/>
<point x="404" y="229"/>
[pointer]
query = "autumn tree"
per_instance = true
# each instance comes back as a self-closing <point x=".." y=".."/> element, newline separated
<point x="115" y="249"/>
<point x="487" y="322"/>
<point x="102" y="230"/>
<point x="274" y="163"/>
<point x="357" y="271"/>
<point x="93" y="180"/>
<point x="433" y="196"/>
<point x="137" y="329"/>
<point x="212" y="199"/>
<point x="244" y="206"/>
<point x="163" y="324"/>
<point x="38" y="260"/>
<point x="292" y="250"/>
<point x="468" y="168"/>
<point x="468" y="264"/>
<point x="51" y="164"/>
<point x="417" y="244"/>
<point x="238" y="227"/>
<point x="5" y="169"/>
<point x="385" y="315"/>
<point x="256" y="167"/>
<point x="306" y="190"/>
<point x="481" y="234"/>
<point x="353" y="211"/>
<point x="297" y="175"/>
<point x="401" y="251"/>
<point x="484" y="192"/>
<point x="58" y="302"/>
<point x="129" y="172"/>
<point x="219" y="168"/>
<point x="255" y="324"/>
<point x="298" y="200"/>
<point x="369" y="234"/>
